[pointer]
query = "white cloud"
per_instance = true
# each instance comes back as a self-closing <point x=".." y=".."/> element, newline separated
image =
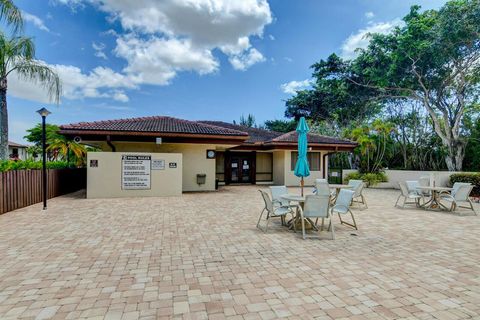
<point x="99" y="50"/>
<point x="99" y="83"/>
<point x="246" y="59"/>
<point x="271" y="37"/>
<point x="361" y="39"/>
<point x="157" y="60"/>
<point x="202" y="25"/>
<point x="293" y="86"/>
<point x="160" y="39"/>
<point x="36" y="21"/>
<point x="369" y="15"/>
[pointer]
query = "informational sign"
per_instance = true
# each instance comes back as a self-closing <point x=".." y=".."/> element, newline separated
<point x="93" y="163"/>
<point x="136" y="172"/>
<point x="172" y="165"/>
<point x="158" y="164"/>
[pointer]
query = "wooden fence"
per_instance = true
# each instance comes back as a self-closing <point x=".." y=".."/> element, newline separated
<point x="21" y="188"/>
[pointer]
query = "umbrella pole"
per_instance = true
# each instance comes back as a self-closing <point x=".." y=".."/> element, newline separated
<point x="301" y="184"/>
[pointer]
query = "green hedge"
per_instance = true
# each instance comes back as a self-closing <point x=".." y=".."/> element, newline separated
<point x="8" y="165"/>
<point x="371" y="179"/>
<point x="473" y="178"/>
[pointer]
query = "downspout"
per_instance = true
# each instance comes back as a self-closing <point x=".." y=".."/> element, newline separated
<point x="326" y="164"/>
<point x="110" y="144"/>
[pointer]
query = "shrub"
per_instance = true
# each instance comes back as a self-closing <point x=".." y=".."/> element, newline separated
<point x="8" y="165"/>
<point x="473" y="178"/>
<point x="371" y="179"/>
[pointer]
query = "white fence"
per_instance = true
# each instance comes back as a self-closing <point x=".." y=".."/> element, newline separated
<point x="441" y="178"/>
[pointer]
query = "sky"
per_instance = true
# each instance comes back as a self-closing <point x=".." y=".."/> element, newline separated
<point x="191" y="59"/>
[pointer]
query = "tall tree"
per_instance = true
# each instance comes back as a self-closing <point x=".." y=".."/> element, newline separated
<point x="333" y="97"/>
<point x="17" y="58"/>
<point x="435" y="59"/>
<point x="281" y="125"/>
<point x="11" y="14"/>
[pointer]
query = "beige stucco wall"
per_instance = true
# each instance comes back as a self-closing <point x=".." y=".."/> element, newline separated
<point x="194" y="160"/>
<point x="105" y="181"/>
<point x="292" y="180"/>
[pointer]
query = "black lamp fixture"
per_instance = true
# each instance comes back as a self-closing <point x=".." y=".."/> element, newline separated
<point x="44" y="113"/>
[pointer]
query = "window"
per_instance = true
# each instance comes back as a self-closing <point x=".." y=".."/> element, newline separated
<point x="314" y="160"/>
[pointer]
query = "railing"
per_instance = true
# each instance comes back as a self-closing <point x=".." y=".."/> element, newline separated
<point x="22" y="188"/>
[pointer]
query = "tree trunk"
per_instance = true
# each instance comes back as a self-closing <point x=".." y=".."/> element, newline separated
<point x="3" y="119"/>
<point x="456" y="153"/>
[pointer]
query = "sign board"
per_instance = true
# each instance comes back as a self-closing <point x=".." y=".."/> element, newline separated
<point x="158" y="140"/>
<point x="93" y="163"/>
<point x="172" y="165"/>
<point x="158" y="164"/>
<point x="136" y="172"/>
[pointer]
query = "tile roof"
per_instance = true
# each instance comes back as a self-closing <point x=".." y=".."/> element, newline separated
<point x="16" y="145"/>
<point x="313" y="138"/>
<point x="154" y="124"/>
<point x="255" y="135"/>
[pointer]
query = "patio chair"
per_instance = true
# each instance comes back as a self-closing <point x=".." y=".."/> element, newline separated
<point x="316" y="206"/>
<point x="273" y="212"/>
<point x="322" y="187"/>
<point x="407" y="195"/>
<point x="342" y="206"/>
<point x="358" y="197"/>
<point x="460" y="194"/>
<point x="424" y="181"/>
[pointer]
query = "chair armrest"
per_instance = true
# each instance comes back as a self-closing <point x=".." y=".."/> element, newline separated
<point x="447" y="193"/>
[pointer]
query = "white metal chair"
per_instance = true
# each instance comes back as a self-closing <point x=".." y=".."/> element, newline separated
<point x="407" y="195"/>
<point x="273" y="212"/>
<point x="358" y="186"/>
<point x="322" y="187"/>
<point x="316" y="206"/>
<point x="424" y="181"/>
<point x="342" y="206"/>
<point x="460" y="194"/>
<point x="277" y="193"/>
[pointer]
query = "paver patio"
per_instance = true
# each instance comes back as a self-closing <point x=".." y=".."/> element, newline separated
<point x="200" y="256"/>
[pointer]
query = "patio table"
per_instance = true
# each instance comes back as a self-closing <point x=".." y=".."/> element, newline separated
<point x="301" y="201"/>
<point x="434" y="202"/>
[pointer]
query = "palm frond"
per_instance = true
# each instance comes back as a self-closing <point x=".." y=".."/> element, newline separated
<point x="39" y="73"/>
<point x="10" y="13"/>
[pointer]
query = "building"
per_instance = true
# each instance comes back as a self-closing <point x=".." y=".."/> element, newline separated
<point x="212" y="149"/>
<point x="17" y="151"/>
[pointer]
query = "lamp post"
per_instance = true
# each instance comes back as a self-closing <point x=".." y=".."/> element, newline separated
<point x="44" y="113"/>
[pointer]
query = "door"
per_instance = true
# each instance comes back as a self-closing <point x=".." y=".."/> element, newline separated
<point x="239" y="167"/>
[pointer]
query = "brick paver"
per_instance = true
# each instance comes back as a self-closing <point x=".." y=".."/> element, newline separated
<point x="199" y="256"/>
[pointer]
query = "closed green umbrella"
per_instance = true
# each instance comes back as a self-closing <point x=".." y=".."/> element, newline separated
<point x="301" y="168"/>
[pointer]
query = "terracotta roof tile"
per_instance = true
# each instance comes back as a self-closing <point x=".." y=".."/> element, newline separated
<point x="255" y="134"/>
<point x="158" y="124"/>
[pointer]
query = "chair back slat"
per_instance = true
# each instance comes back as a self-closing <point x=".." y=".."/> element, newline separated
<point x="463" y="192"/>
<point x="457" y="186"/>
<point x="316" y="206"/>
<point x="403" y="188"/>
<point x="267" y="200"/>
<point x="322" y="187"/>
<point x="345" y="197"/>
<point x="277" y="193"/>
<point x="424" y="181"/>
<point x="412" y="186"/>
<point x="357" y="187"/>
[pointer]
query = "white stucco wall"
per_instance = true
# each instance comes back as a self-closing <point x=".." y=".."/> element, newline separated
<point x="194" y="160"/>
<point x="105" y="180"/>
<point x="441" y="178"/>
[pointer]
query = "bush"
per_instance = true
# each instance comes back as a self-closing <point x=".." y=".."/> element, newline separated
<point x="8" y="165"/>
<point x="371" y="179"/>
<point x="473" y="178"/>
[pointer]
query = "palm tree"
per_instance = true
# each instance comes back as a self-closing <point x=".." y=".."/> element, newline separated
<point x="17" y="58"/>
<point x="11" y="14"/>
<point x="63" y="146"/>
